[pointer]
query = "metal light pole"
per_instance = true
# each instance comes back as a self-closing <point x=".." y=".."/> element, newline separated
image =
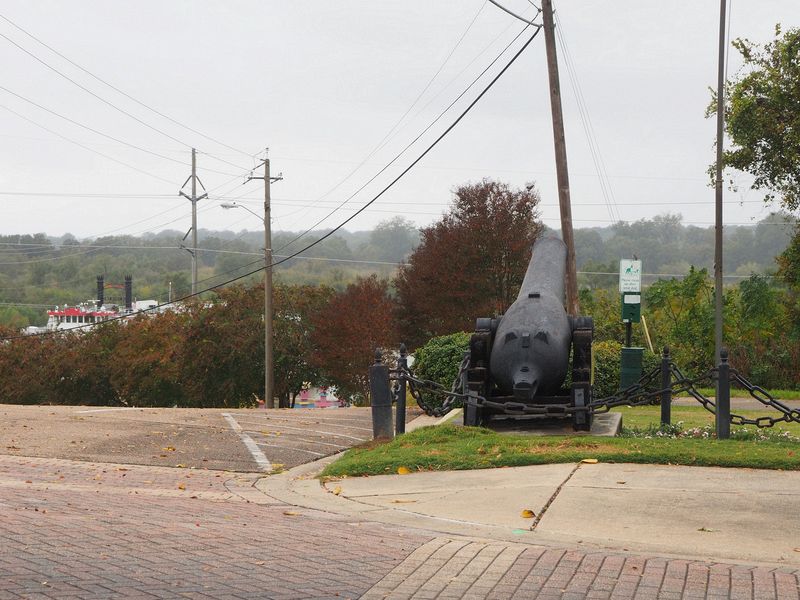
<point x="269" y="398"/>
<point x="718" y="197"/>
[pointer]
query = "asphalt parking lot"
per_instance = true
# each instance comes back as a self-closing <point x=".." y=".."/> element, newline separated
<point x="250" y="440"/>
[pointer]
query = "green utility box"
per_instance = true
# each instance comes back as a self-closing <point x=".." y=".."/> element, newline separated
<point x="631" y="366"/>
<point x="631" y="307"/>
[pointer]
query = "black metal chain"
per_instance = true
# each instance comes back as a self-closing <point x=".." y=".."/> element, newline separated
<point x="451" y="396"/>
<point x="640" y="393"/>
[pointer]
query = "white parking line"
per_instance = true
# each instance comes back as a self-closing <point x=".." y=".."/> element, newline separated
<point x="261" y="460"/>
<point x="291" y="449"/>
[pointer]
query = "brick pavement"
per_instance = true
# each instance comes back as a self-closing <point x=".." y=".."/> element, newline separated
<point x="91" y="530"/>
<point x="446" y="569"/>
<point x="83" y="530"/>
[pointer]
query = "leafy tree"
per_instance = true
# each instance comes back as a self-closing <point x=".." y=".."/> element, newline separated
<point x="348" y="330"/>
<point x="222" y="355"/>
<point x="392" y="240"/>
<point x="470" y="264"/>
<point x="294" y="308"/>
<point x="762" y="115"/>
<point x="683" y="313"/>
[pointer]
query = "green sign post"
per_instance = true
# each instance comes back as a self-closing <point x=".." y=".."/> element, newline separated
<point x="630" y="288"/>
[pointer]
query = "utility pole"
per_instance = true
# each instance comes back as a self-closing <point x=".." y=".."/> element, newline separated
<point x="269" y="395"/>
<point x="559" y="142"/>
<point x="718" y="191"/>
<point x="194" y="199"/>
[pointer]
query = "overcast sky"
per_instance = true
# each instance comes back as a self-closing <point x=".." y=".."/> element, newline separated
<point x="322" y="84"/>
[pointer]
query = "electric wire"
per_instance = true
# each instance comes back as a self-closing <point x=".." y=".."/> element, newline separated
<point x="380" y="145"/>
<point x="586" y="122"/>
<point x="127" y="95"/>
<point x="513" y="14"/>
<point x="435" y="96"/>
<point x="94" y="95"/>
<point x="63" y="137"/>
<point x="421" y="156"/>
<point x="423" y="132"/>
<point x="343" y="223"/>
<point x="105" y="135"/>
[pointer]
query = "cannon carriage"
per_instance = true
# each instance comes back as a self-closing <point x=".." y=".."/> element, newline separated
<point x="518" y="362"/>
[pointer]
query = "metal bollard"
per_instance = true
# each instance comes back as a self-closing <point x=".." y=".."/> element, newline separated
<point x="666" y="387"/>
<point x="400" y="415"/>
<point x="381" y="399"/>
<point x="723" y="399"/>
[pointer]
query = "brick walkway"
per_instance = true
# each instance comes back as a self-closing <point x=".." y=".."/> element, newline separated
<point x="447" y="569"/>
<point x="82" y="530"/>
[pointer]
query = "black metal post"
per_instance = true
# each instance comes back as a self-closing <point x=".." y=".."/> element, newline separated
<point x="381" y="399"/>
<point x="666" y="388"/>
<point x="400" y="416"/>
<point x="628" y="333"/>
<point x="723" y="399"/>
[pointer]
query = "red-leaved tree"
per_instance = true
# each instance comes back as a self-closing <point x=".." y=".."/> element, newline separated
<point x="470" y="264"/>
<point x="349" y="329"/>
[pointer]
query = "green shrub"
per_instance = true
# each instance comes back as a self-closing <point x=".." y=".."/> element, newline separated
<point x="439" y="360"/>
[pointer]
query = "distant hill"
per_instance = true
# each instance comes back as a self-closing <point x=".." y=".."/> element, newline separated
<point x="37" y="271"/>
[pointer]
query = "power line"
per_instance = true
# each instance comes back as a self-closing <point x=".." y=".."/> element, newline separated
<point x="63" y="137"/>
<point x="430" y="125"/>
<point x="343" y="223"/>
<point x="105" y="135"/>
<point x="429" y="102"/>
<point x="588" y="128"/>
<point x="394" y="127"/>
<point x="421" y="156"/>
<point x="122" y="92"/>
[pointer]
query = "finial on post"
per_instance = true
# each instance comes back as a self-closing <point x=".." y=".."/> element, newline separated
<point x="403" y="350"/>
<point x="666" y="351"/>
<point x="723" y="355"/>
<point x="378" y="356"/>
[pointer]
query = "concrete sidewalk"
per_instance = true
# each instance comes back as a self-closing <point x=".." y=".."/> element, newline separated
<point x="710" y="514"/>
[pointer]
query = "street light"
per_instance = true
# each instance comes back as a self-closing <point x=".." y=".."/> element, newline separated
<point x="268" y="397"/>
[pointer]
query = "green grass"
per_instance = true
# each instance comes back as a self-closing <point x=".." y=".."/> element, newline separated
<point x="449" y="447"/>
<point x="779" y="394"/>
<point x="642" y="417"/>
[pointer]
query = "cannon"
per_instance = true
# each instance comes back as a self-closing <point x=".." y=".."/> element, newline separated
<point x="518" y="362"/>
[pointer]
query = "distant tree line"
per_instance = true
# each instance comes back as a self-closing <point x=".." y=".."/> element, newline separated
<point x="467" y="265"/>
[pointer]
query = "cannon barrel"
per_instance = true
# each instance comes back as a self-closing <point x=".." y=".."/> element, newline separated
<point x="531" y="347"/>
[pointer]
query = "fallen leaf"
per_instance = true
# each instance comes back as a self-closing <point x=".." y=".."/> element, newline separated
<point x="169" y="449"/>
<point x="621" y="482"/>
<point x="260" y="562"/>
<point x="337" y="490"/>
<point x="403" y="470"/>
<point x="181" y="486"/>
<point x="403" y="501"/>
<point x="527" y="514"/>
<point x="706" y="529"/>
<point x="28" y="481"/>
<point x="290" y="513"/>
<point x="180" y="466"/>
<point x="589" y="461"/>
<point x="797" y="549"/>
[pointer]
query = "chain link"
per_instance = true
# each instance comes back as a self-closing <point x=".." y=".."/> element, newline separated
<point x="640" y="393"/>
